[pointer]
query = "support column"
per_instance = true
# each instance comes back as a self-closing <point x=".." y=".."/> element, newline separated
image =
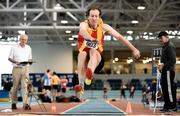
<point x="54" y="13"/>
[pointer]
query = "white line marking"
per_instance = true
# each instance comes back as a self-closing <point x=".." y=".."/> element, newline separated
<point x="115" y="107"/>
<point x="74" y="107"/>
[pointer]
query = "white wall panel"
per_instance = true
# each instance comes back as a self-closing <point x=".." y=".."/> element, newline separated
<point x="55" y="57"/>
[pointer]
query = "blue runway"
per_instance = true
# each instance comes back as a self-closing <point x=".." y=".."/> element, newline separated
<point x="94" y="107"/>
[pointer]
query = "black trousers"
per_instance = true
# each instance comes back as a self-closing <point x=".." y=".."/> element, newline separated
<point x="168" y="88"/>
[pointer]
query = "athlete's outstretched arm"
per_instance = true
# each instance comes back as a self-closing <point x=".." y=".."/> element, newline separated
<point x="83" y="31"/>
<point x="118" y="36"/>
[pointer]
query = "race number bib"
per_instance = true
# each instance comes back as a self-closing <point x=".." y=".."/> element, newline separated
<point x="91" y="44"/>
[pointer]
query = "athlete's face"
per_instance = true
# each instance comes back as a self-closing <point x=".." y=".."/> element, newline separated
<point x="93" y="17"/>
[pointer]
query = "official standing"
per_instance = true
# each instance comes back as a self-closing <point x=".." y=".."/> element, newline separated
<point x="167" y="68"/>
<point x="18" y="54"/>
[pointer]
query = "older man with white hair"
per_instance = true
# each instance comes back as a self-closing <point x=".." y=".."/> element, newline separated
<point x="19" y="55"/>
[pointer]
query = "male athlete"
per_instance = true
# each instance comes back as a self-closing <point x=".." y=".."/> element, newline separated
<point x="91" y="42"/>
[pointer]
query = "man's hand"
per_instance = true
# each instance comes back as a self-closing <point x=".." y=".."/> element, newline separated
<point x="136" y="54"/>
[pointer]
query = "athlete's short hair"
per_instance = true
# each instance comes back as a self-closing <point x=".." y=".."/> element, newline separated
<point x="93" y="8"/>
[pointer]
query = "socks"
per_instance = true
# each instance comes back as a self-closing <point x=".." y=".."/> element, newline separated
<point x="81" y="83"/>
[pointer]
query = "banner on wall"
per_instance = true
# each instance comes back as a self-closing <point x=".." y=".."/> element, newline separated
<point x="156" y="54"/>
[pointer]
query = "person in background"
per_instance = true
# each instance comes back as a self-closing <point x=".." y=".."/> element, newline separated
<point x="131" y="91"/>
<point x="105" y="92"/>
<point x="47" y="84"/>
<point x="39" y="84"/>
<point x="123" y="90"/>
<point x="145" y="99"/>
<point x="167" y="69"/>
<point x="64" y="83"/>
<point x="20" y="53"/>
<point x="75" y="81"/>
<point x="55" y="84"/>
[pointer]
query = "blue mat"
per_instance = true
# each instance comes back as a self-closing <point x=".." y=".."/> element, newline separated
<point x="95" y="107"/>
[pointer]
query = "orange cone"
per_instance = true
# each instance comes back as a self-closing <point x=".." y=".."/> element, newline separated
<point x="53" y="108"/>
<point x="128" y="108"/>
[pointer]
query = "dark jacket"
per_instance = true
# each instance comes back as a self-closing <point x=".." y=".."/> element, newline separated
<point x="168" y="56"/>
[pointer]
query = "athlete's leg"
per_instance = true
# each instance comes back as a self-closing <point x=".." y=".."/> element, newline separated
<point x="81" y="74"/>
<point x="94" y="60"/>
<point x="81" y="66"/>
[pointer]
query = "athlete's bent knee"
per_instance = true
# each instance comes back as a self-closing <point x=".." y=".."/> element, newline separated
<point x="93" y="52"/>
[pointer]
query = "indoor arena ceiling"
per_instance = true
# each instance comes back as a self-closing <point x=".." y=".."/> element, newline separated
<point x="57" y="21"/>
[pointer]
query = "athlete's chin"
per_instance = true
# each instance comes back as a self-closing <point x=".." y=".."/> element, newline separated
<point x="94" y="24"/>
